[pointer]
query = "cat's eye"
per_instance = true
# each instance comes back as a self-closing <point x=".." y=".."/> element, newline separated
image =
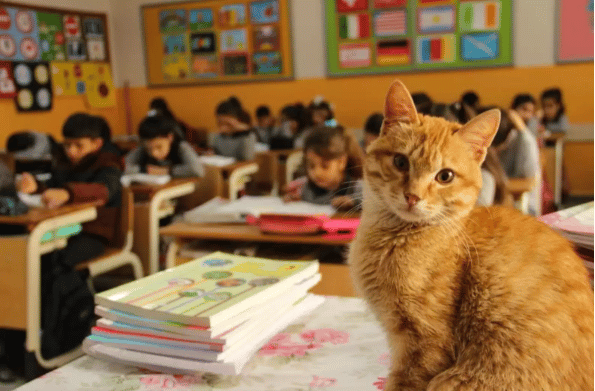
<point x="401" y="162"/>
<point x="445" y="176"/>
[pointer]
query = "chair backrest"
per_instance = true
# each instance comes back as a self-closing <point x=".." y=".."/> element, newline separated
<point x="292" y="165"/>
<point x="8" y="159"/>
<point x="126" y="219"/>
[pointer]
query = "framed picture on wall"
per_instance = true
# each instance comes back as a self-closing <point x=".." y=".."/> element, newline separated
<point x="388" y="36"/>
<point x="574" y="31"/>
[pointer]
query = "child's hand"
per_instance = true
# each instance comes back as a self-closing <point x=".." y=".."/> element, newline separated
<point x="289" y="197"/>
<point x="209" y="152"/>
<point x="27" y="183"/>
<point x="55" y="198"/>
<point x="343" y="202"/>
<point x="156" y="170"/>
<point x="236" y="124"/>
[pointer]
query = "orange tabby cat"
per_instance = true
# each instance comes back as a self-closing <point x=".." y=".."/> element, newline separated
<point x="470" y="298"/>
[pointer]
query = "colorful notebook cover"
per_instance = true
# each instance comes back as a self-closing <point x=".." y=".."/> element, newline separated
<point x="576" y="223"/>
<point x="207" y="291"/>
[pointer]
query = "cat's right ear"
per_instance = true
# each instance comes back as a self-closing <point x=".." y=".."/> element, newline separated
<point x="399" y="106"/>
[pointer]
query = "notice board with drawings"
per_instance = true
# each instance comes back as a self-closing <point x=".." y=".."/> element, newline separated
<point x="213" y="41"/>
<point x="50" y="52"/>
<point x="387" y="36"/>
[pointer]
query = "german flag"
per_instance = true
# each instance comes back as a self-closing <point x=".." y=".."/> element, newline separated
<point x="395" y="52"/>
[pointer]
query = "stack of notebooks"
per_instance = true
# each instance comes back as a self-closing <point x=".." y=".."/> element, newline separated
<point x="208" y="315"/>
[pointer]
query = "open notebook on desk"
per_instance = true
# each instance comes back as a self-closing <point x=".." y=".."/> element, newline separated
<point x="148" y="179"/>
<point x="216" y="160"/>
<point x="575" y="224"/>
<point x="219" y="210"/>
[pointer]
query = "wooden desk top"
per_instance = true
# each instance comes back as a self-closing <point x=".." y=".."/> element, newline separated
<point x="555" y="136"/>
<point x="241" y="233"/>
<point x="150" y="190"/>
<point x="518" y="186"/>
<point x="279" y="152"/>
<point x="37" y="215"/>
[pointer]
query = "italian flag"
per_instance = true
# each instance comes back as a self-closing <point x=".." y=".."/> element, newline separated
<point x="354" y="26"/>
<point x="480" y="15"/>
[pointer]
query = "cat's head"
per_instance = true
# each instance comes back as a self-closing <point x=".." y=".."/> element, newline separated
<point x="426" y="169"/>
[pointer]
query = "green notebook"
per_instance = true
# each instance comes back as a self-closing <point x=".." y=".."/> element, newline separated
<point x="209" y="290"/>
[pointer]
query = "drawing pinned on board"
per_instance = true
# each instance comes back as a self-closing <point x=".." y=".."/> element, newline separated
<point x="205" y="66"/>
<point x="63" y="78"/>
<point x="389" y="3"/>
<point x="72" y="26"/>
<point x="264" y="12"/>
<point x="479" y="15"/>
<point x="436" y="49"/>
<point x="233" y="41"/>
<point x="96" y="49"/>
<point x="19" y="37"/>
<point x="355" y="55"/>
<point x="394" y="52"/>
<point x="175" y="66"/>
<point x="354" y="26"/>
<point x="267" y="63"/>
<point x="266" y="38"/>
<point x="93" y="28"/>
<point x="201" y="43"/>
<point x="435" y="19"/>
<point x="81" y="87"/>
<point x="172" y="21"/>
<point x="234" y="65"/>
<point x="51" y="37"/>
<point x="75" y="50"/>
<point x="99" y="86"/>
<point x="232" y="15"/>
<point x="34" y="89"/>
<point x="7" y="85"/>
<point x="352" y="5"/>
<point x="201" y="19"/>
<point x="388" y="23"/>
<point x="481" y="46"/>
<point x="174" y="44"/>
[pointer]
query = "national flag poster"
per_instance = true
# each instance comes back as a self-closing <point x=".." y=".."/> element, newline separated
<point x="435" y="19"/>
<point x="436" y="49"/>
<point x="424" y="2"/>
<point x="387" y="23"/>
<point x="389" y="3"/>
<point x="394" y="52"/>
<point x="352" y="5"/>
<point x="354" y="26"/>
<point x="482" y="46"/>
<point x="355" y="55"/>
<point x="479" y="15"/>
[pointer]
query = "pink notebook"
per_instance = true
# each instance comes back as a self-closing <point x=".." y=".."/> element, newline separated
<point x="301" y="225"/>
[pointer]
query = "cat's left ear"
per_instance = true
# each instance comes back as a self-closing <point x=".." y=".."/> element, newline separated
<point x="480" y="131"/>
<point x="399" y="106"/>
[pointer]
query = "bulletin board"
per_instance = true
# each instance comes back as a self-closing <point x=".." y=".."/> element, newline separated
<point x="217" y="41"/>
<point x="574" y="31"/>
<point x="387" y="36"/>
<point x="49" y="52"/>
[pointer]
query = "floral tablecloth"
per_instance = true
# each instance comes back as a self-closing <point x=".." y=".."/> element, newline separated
<point x="339" y="346"/>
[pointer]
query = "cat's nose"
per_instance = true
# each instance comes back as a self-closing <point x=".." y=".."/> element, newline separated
<point x="411" y="199"/>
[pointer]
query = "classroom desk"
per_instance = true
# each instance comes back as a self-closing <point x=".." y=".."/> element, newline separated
<point x="340" y="345"/>
<point x="272" y="168"/>
<point x="20" y="271"/>
<point x="222" y="181"/>
<point x="147" y="214"/>
<point x="558" y="140"/>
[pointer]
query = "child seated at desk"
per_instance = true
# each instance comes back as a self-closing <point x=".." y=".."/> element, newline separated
<point x="162" y="152"/>
<point x="334" y="169"/>
<point x="83" y="173"/>
<point x="235" y="138"/>
<point x="292" y="130"/>
<point x="264" y="124"/>
<point x="554" y="118"/>
<point x="372" y="128"/>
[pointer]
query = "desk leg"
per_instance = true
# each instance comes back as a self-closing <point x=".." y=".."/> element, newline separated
<point x="558" y="180"/>
<point x="172" y="253"/>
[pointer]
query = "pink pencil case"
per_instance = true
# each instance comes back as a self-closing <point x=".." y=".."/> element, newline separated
<point x="303" y="225"/>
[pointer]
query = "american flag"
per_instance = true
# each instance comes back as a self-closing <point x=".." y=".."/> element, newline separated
<point x="390" y="23"/>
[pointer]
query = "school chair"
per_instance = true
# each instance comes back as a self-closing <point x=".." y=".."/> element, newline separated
<point x="8" y="160"/>
<point x="239" y="177"/>
<point x="122" y="255"/>
<point x="292" y="165"/>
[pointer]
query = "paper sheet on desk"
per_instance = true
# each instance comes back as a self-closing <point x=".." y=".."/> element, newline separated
<point x="126" y="180"/>
<point x="262" y="205"/>
<point x="31" y="200"/>
<point x="216" y="160"/>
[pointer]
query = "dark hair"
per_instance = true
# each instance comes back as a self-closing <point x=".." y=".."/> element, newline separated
<point x="161" y="106"/>
<point x="19" y="141"/>
<point x="262" y="111"/>
<point x="555" y="94"/>
<point x="156" y="126"/>
<point x="333" y="143"/>
<point x="521" y="99"/>
<point x="81" y="125"/>
<point x="233" y="108"/>
<point x="493" y="166"/>
<point x="106" y="131"/>
<point x="374" y="124"/>
<point x="322" y="105"/>
<point x="298" y="113"/>
<point x="470" y="98"/>
<point x="423" y="103"/>
<point x="443" y="110"/>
